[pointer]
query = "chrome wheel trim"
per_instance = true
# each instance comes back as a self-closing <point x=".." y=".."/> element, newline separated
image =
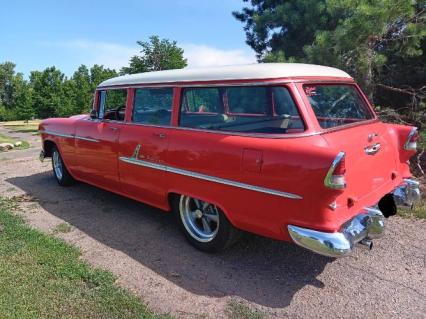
<point x="57" y="165"/>
<point x="200" y="219"/>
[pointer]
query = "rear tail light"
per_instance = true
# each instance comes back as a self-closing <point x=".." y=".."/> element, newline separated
<point x="335" y="177"/>
<point x="411" y="142"/>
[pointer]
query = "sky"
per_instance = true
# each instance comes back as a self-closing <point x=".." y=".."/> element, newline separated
<point x="67" y="33"/>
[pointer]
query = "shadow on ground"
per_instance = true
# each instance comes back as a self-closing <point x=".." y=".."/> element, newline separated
<point x="257" y="269"/>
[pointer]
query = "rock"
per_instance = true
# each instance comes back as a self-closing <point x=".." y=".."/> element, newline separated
<point x="6" y="146"/>
<point x="17" y="144"/>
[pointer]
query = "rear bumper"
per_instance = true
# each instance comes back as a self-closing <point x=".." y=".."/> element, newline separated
<point x="407" y="194"/>
<point x="365" y="226"/>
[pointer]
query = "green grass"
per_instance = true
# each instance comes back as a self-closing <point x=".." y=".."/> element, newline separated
<point x="22" y="126"/>
<point x="418" y="211"/>
<point x="239" y="310"/>
<point x="43" y="277"/>
<point x="7" y="139"/>
<point x="63" y="228"/>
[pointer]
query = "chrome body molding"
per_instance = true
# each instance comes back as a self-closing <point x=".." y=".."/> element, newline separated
<point x="367" y="225"/>
<point x="57" y="134"/>
<point x="407" y="194"/>
<point x="88" y="139"/>
<point x="135" y="161"/>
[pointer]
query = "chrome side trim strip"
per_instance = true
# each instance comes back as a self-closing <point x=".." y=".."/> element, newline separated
<point x="88" y="139"/>
<point x="58" y="134"/>
<point x="135" y="161"/>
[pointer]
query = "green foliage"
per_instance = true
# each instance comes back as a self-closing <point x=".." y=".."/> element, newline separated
<point x="43" y="277"/>
<point x="359" y="36"/>
<point x="156" y="55"/>
<point x="48" y="93"/>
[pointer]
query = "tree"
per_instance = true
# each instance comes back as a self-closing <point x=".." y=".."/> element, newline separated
<point x="7" y="74"/>
<point x="99" y="74"/>
<point x="370" y="33"/>
<point x="48" y="92"/>
<point x="23" y="99"/>
<point x="356" y="35"/>
<point x="81" y="86"/>
<point x="156" y="55"/>
<point x="283" y="28"/>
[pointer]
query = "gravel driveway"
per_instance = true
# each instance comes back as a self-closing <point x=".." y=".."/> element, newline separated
<point x="144" y="248"/>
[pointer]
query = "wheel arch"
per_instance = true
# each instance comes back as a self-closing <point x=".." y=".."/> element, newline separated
<point x="48" y="146"/>
<point x="175" y="194"/>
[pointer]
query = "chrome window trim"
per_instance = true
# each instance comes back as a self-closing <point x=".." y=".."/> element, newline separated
<point x="258" y="135"/>
<point x="135" y="161"/>
<point x="190" y="84"/>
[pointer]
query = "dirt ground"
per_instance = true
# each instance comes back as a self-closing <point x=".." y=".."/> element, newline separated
<point x="144" y="248"/>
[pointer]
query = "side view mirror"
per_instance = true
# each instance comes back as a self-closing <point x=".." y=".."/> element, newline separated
<point x="93" y="114"/>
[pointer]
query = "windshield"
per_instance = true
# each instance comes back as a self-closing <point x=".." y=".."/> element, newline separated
<point x="336" y="105"/>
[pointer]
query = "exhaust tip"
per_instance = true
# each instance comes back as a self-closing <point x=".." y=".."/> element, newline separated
<point x="367" y="243"/>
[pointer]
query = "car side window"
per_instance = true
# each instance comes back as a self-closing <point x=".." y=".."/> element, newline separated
<point x="153" y="106"/>
<point x="112" y="104"/>
<point x="246" y="109"/>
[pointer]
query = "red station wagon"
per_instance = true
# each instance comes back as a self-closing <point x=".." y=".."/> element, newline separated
<point x="288" y="151"/>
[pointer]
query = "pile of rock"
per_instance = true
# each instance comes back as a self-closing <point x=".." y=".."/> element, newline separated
<point x="9" y="146"/>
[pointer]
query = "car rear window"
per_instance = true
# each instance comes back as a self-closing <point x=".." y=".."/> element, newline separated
<point x="336" y="105"/>
<point x="251" y="109"/>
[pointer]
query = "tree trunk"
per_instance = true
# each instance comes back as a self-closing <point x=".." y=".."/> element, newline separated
<point x="368" y="75"/>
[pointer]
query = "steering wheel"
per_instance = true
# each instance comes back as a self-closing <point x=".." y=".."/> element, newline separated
<point x="117" y="112"/>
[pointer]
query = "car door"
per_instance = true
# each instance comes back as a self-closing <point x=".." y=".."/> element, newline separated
<point x="96" y="140"/>
<point x="143" y="145"/>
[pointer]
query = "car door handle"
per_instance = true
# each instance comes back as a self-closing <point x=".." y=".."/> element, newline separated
<point x="371" y="150"/>
<point x="160" y="135"/>
<point x="114" y="129"/>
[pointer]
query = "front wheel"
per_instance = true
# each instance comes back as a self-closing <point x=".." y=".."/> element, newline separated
<point x="61" y="173"/>
<point x="205" y="225"/>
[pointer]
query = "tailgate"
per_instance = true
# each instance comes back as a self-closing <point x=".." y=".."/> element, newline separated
<point x="371" y="159"/>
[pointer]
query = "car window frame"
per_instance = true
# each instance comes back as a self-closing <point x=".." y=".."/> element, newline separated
<point x="286" y="85"/>
<point x="133" y="101"/>
<point x="374" y="117"/>
<point x="103" y="92"/>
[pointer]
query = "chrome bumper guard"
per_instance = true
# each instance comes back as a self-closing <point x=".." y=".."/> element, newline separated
<point x="407" y="194"/>
<point x="367" y="225"/>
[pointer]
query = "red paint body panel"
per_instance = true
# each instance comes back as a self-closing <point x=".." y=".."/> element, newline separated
<point x="295" y="163"/>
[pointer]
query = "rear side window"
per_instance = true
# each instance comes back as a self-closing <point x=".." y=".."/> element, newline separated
<point x="153" y="106"/>
<point x="248" y="100"/>
<point x="336" y="105"/>
<point x="202" y="100"/>
<point x="251" y="109"/>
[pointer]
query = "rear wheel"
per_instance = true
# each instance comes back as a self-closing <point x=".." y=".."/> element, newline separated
<point x="205" y="225"/>
<point x="61" y="173"/>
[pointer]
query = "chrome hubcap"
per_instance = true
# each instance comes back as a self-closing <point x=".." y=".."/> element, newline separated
<point x="57" y="165"/>
<point x="201" y="219"/>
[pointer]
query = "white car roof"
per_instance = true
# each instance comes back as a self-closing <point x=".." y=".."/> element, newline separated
<point x="234" y="72"/>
